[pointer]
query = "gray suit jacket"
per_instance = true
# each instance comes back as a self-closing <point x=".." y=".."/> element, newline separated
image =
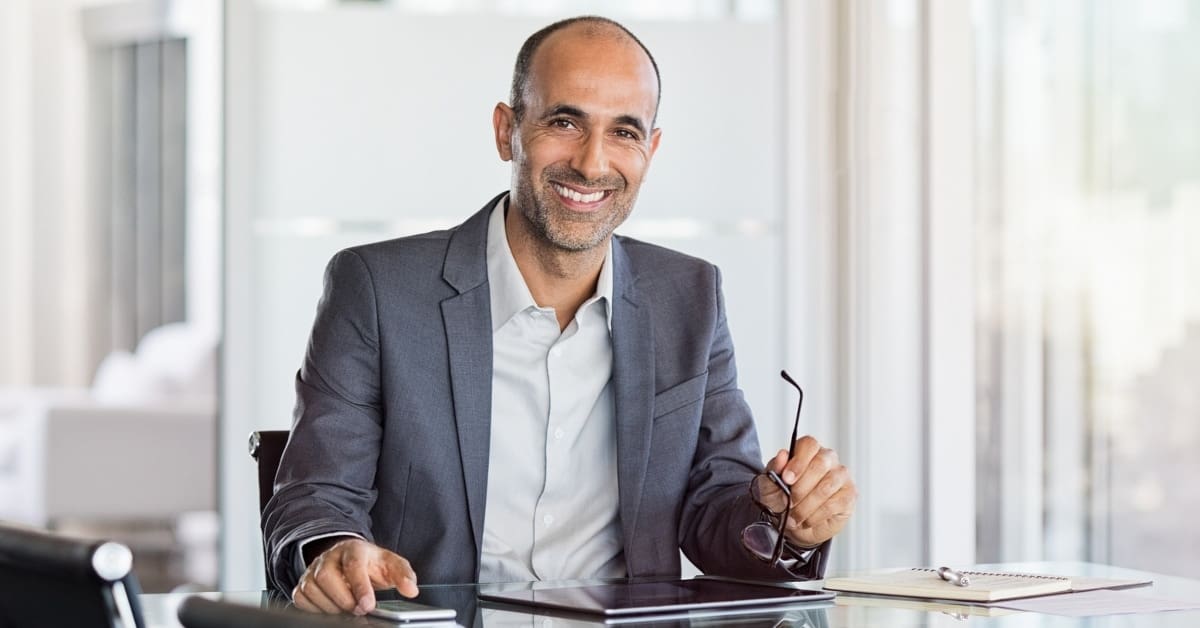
<point x="393" y="412"/>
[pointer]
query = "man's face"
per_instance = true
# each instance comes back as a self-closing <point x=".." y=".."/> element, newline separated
<point x="585" y="141"/>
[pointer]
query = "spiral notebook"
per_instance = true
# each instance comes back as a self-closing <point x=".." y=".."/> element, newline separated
<point x="986" y="586"/>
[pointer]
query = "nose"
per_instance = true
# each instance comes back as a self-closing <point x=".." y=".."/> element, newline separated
<point x="589" y="158"/>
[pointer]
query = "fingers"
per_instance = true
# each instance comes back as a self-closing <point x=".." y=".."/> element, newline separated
<point x="815" y="477"/>
<point x="332" y="582"/>
<point x="777" y="463"/>
<point x="397" y="572"/>
<point x="827" y="522"/>
<point x="344" y="578"/>
<point x="823" y="492"/>
<point x="769" y="495"/>
<point x="323" y="587"/>
<point x="308" y="596"/>
<point x="834" y="494"/>
<point x="839" y="507"/>
<point x="355" y="567"/>
<point x="807" y="449"/>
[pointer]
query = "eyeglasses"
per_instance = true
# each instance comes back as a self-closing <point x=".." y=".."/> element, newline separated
<point x="765" y="539"/>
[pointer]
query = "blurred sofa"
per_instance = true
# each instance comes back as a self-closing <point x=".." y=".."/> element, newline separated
<point x="134" y="456"/>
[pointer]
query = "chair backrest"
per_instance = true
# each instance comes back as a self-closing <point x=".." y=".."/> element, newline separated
<point x="198" y="612"/>
<point x="51" y="580"/>
<point x="266" y="447"/>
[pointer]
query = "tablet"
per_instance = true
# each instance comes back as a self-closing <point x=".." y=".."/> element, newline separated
<point x="644" y="598"/>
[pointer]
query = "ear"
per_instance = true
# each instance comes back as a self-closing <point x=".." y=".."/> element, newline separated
<point x="655" y="136"/>
<point x="504" y="124"/>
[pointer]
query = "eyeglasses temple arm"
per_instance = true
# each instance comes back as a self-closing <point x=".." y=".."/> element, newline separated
<point x="796" y="424"/>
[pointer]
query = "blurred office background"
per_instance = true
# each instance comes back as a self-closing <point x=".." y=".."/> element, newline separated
<point x="966" y="227"/>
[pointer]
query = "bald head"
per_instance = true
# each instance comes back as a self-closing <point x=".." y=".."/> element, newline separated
<point x="587" y="27"/>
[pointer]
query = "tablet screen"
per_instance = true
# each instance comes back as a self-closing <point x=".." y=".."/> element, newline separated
<point x="656" y="597"/>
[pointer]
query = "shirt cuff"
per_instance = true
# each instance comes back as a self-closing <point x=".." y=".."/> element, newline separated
<point x="300" y="566"/>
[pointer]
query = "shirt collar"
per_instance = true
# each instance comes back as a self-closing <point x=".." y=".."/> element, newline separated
<point x="509" y="294"/>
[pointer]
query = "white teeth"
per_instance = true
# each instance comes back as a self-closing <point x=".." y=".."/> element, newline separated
<point x="576" y="196"/>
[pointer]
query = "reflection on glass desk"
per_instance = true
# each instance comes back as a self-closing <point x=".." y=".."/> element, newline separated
<point x="846" y="612"/>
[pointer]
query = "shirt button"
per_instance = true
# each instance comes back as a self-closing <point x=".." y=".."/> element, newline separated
<point x="548" y="519"/>
<point x="555" y="352"/>
<point x="558" y="433"/>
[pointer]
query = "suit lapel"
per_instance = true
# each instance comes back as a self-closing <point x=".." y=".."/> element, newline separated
<point x="633" y="392"/>
<point x="468" y="321"/>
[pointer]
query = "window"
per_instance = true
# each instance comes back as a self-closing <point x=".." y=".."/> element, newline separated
<point x="1088" y="337"/>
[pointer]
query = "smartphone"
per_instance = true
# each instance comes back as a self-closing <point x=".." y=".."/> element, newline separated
<point x="404" y="611"/>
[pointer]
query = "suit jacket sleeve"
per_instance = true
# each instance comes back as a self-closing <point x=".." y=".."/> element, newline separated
<point x="326" y="477"/>
<point x="727" y="457"/>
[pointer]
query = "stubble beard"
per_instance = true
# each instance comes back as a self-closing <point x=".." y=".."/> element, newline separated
<point x="550" y="221"/>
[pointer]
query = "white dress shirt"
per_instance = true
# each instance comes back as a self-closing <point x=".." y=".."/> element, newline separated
<point x="552" y="508"/>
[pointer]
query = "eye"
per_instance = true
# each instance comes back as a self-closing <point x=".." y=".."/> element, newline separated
<point x="562" y="123"/>
<point x="627" y="134"/>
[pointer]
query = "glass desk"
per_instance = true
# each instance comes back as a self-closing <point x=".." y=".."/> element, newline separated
<point x="846" y="612"/>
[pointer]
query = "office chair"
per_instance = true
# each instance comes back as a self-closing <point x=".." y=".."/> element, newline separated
<point x="266" y="447"/>
<point x="52" y="580"/>
<point x="198" y="612"/>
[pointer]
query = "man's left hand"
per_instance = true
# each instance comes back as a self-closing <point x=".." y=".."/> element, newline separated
<point x="823" y="492"/>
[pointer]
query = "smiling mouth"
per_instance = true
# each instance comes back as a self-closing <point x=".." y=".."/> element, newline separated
<point x="580" y="197"/>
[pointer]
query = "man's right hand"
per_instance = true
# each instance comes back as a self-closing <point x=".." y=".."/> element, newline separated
<point x="343" y="578"/>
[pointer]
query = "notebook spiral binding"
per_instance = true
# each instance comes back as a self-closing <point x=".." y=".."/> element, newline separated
<point x="1001" y="574"/>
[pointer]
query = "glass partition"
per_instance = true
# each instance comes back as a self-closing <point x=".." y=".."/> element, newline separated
<point x="1088" y="304"/>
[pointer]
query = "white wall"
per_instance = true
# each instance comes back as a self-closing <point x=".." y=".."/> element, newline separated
<point x="43" y="217"/>
<point x="358" y="123"/>
<point x="15" y="192"/>
<point x="50" y="233"/>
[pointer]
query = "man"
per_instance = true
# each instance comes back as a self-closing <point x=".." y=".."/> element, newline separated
<point x="525" y="396"/>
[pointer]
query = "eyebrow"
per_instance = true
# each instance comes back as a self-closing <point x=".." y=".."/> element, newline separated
<point x="573" y="111"/>
<point x="634" y="122"/>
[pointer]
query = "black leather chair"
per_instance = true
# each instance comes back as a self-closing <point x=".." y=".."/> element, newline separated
<point x="266" y="447"/>
<point x="198" y="612"/>
<point x="52" y="580"/>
